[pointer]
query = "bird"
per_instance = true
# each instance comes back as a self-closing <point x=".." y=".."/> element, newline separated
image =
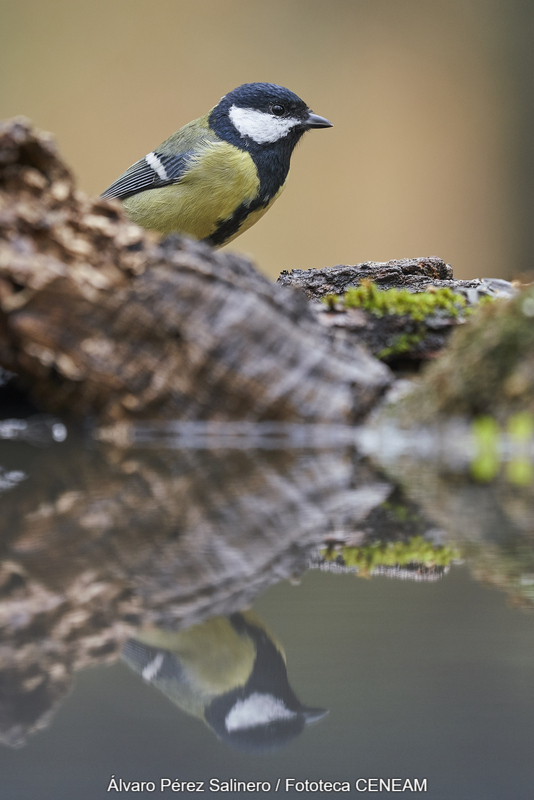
<point x="215" y="177"/>
<point x="228" y="671"/>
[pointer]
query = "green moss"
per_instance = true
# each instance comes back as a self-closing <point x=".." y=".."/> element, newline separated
<point x="417" y="550"/>
<point x="487" y="369"/>
<point x="487" y="462"/>
<point x="399" y="512"/>
<point x="520" y="429"/>
<point x="383" y="302"/>
<point x="331" y="300"/>
<point x="402" y="344"/>
<point x="520" y="471"/>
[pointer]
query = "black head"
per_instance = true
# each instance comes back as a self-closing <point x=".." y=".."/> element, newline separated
<point x="264" y="714"/>
<point x="260" y="722"/>
<point x="263" y="115"/>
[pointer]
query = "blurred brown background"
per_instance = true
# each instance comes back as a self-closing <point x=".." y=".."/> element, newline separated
<point x="431" y="153"/>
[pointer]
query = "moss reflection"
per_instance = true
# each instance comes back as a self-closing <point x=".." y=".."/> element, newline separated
<point x="418" y="554"/>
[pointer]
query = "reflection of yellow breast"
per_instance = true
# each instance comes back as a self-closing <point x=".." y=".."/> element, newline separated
<point x="213" y="655"/>
<point x="213" y="658"/>
<point x="219" y="179"/>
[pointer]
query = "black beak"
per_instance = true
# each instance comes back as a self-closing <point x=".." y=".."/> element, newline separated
<point x="313" y="714"/>
<point x="315" y="121"/>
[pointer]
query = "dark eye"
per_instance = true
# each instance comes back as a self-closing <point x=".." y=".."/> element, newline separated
<point x="278" y="110"/>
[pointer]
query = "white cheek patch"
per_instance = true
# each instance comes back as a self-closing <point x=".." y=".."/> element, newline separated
<point x="262" y="128"/>
<point x="258" y="709"/>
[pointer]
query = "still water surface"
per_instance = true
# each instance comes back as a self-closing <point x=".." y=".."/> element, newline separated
<point x="158" y="557"/>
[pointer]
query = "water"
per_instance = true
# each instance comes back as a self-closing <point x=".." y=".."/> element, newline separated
<point x="158" y="555"/>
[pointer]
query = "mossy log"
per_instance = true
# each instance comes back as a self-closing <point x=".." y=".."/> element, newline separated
<point x="406" y="309"/>
<point x="488" y="369"/>
<point x="98" y="318"/>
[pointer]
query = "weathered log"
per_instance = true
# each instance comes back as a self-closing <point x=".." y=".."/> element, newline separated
<point x="413" y="274"/>
<point x="97" y="318"/>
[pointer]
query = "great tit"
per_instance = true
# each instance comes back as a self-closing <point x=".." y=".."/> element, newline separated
<point x="219" y="174"/>
<point x="229" y="672"/>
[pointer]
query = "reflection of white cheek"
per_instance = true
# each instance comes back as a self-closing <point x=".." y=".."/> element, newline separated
<point x="260" y="127"/>
<point x="258" y="709"/>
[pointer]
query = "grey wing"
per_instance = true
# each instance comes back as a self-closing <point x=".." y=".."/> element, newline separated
<point x="151" y="172"/>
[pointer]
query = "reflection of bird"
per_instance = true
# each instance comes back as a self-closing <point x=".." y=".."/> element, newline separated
<point x="229" y="672"/>
<point x="219" y="174"/>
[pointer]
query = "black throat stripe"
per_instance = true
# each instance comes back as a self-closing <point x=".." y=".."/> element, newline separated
<point x="229" y="227"/>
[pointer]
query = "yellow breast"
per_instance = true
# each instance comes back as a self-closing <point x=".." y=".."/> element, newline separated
<point x="219" y="180"/>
